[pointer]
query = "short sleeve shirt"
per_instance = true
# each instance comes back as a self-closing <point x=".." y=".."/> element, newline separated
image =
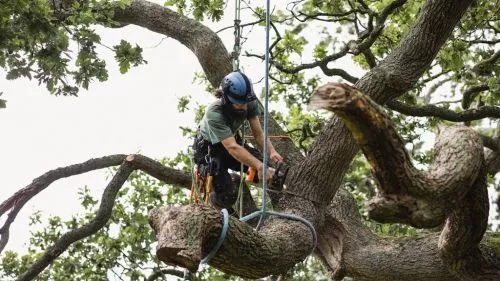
<point x="216" y="127"/>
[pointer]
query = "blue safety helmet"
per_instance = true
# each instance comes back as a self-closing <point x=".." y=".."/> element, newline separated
<point x="237" y="88"/>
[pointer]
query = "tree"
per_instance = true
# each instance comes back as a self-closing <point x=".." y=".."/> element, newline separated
<point x="408" y="50"/>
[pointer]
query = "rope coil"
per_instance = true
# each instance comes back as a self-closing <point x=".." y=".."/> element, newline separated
<point x="222" y="237"/>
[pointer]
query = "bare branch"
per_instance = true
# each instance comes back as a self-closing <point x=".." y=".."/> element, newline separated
<point x="481" y="41"/>
<point x="131" y="163"/>
<point x="377" y="30"/>
<point x="301" y="67"/>
<point x="338" y="72"/>
<point x="470" y="94"/>
<point x="483" y="67"/>
<point x="19" y="199"/>
<point x="102" y="217"/>
<point x="370" y="58"/>
<point x="431" y="110"/>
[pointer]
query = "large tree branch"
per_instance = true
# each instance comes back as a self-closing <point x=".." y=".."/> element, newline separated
<point x="454" y="187"/>
<point x="187" y="234"/>
<point x="149" y="166"/>
<point x="430" y="110"/>
<point x="348" y="247"/>
<point x="397" y="73"/>
<point x="203" y="42"/>
<point x="470" y="94"/>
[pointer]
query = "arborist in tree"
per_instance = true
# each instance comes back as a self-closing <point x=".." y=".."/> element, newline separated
<point x="218" y="145"/>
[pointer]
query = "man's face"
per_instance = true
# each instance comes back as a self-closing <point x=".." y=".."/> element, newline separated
<point x="238" y="111"/>
<point x="240" y="107"/>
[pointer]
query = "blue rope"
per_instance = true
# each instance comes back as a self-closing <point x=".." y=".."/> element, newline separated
<point x="222" y="237"/>
<point x="263" y="211"/>
<point x="288" y="216"/>
<point x="266" y="117"/>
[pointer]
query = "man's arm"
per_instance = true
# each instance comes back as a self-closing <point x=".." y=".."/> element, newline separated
<point x="258" y="134"/>
<point x="245" y="157"/>
<point x="241" y="154"/>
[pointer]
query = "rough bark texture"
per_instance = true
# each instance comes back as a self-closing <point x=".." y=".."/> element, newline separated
<point x="396" y="74"/>
<point x="454" y="186"/>
<point x="367" y="257"/>
<point x="187" y="234"/>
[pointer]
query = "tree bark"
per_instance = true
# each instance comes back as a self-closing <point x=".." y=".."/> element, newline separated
<point x="454" y="187"/>
<point x="350" y="249"/>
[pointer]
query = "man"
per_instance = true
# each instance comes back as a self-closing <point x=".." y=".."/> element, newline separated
<point x="218" y="144"/>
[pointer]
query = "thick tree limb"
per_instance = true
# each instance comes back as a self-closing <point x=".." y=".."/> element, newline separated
<point x="407" y="192"/>
<point x="132" y="162"/>
<point x="455" y="181"/>
<point x="430" y="110"/>
<point x="347" y="237"/>
<point x="187" y="234"/>
<point x="203" y="42"/>
<point x="397" y="73"/>
<point x="335" y="148"/>
<point x="338" y="72"/>
<point x="470" y="94"/>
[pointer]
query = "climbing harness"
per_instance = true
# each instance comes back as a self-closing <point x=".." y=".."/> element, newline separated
<point x="263" y="213"/>
<point x="201" y="176"/>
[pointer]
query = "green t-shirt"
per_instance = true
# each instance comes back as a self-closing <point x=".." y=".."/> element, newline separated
<point x="215" y="127"/>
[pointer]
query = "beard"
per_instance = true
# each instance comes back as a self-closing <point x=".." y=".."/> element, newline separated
<point x="233" y="113"/>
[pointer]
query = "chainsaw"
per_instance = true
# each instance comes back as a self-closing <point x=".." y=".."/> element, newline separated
<point x="278" y="179"/>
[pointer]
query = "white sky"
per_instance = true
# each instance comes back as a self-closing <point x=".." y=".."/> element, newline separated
<point x="126" y="114"/>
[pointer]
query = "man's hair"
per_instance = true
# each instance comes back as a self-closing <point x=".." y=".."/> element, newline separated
<point x="218" y="93"/>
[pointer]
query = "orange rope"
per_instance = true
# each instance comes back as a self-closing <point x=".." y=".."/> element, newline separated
<point x="271" y="137"/>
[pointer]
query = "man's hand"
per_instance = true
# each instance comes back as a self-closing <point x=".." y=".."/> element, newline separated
<point x="269" y="173"/>
<point x="276" y="157"/>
